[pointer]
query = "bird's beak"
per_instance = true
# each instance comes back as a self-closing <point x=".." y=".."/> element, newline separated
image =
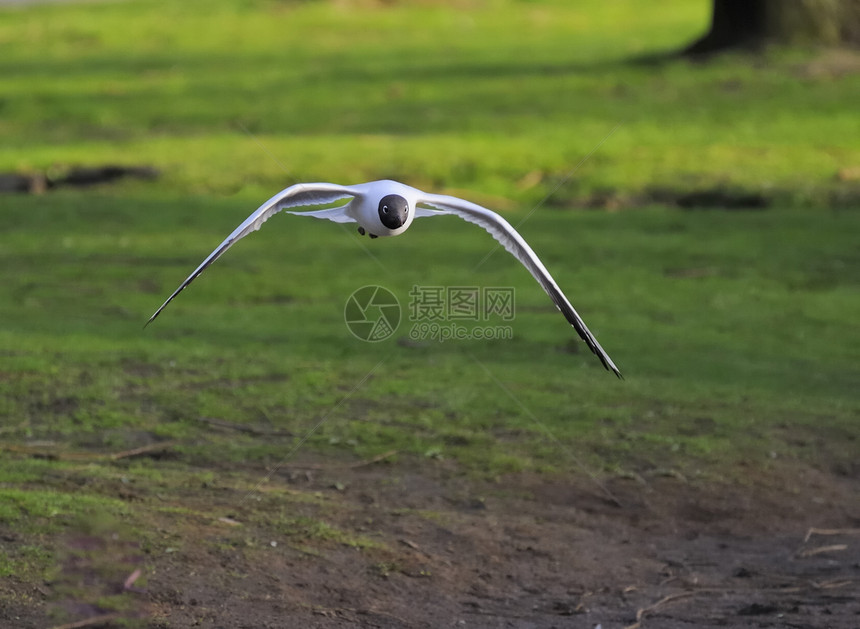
<point x="401" y="216"/>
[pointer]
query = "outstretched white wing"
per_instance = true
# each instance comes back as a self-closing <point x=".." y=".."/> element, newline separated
<point x="508" y="237"/>
<point x="301" y="194"/>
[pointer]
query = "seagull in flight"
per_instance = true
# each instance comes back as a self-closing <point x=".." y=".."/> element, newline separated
<point x="387" y="208"/>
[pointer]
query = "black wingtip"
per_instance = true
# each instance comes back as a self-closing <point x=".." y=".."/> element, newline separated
<point x="158" y="312"/>
<point x="604" y="359"/>
<point x="610" y="367"/>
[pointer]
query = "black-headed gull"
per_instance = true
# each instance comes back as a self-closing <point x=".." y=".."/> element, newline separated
<point x="387" y="208"/>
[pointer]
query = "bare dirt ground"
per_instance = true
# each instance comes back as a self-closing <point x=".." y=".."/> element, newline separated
<point x="409" y="546"/>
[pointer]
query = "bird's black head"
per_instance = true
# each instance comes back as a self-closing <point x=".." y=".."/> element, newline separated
<point x="393" y="210"/>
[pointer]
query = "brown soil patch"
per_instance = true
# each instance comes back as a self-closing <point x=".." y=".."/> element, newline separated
<point x="427" y="547"/>
<point x="71" y="176"/>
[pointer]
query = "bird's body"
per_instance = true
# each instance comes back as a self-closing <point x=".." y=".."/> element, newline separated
<point x="388" y="208"/>
<point x="364" y="208"/>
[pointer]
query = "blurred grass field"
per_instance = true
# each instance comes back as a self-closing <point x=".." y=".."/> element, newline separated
<point x="736" y="330"/>
<point x="502" y="98"/>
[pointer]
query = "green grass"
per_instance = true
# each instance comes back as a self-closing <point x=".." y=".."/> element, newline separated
<point x="738" y="318"/>
<point x="479" y="98"/>
<point x="736" y="331"/>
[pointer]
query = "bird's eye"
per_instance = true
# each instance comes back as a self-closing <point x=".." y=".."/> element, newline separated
<point x="385" y="209"/>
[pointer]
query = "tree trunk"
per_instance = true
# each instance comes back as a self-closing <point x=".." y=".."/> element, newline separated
<point x="753" y="23"/>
